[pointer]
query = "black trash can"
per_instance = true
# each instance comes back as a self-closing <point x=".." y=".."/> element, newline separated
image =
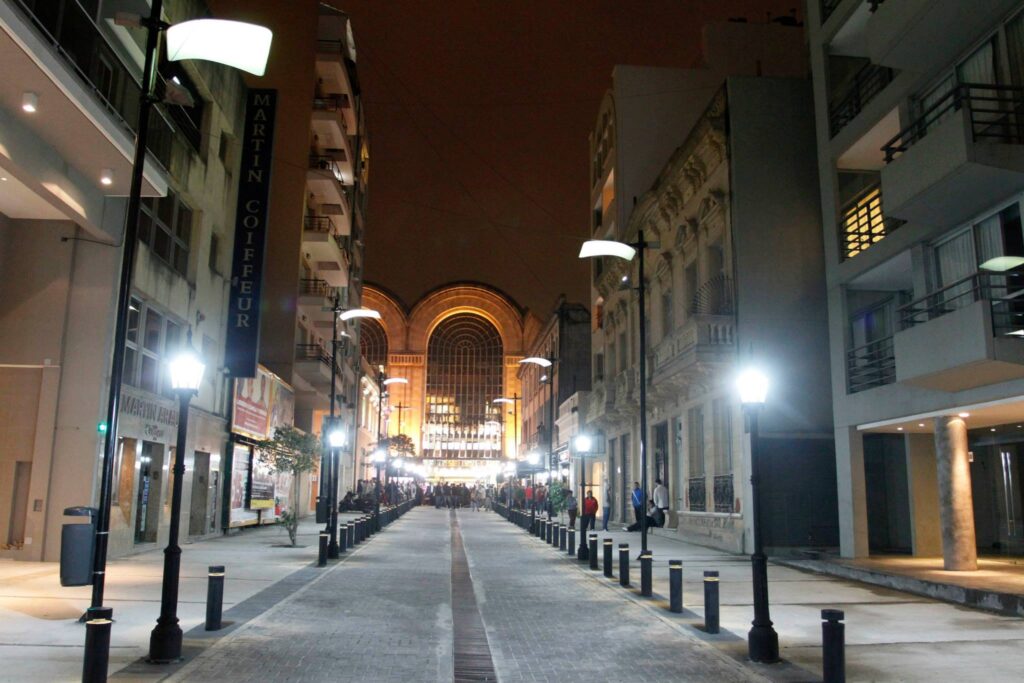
<point x="77" y="547"/>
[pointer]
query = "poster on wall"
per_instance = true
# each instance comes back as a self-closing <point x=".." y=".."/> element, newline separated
<point x="262" y="496"/>
<point x="240" y="515"/>
<point x="262" y="403"/>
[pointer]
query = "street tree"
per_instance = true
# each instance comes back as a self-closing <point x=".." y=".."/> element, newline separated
<point x="291" y="451"/>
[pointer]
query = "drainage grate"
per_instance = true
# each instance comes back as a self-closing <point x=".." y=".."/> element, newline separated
<point x="473" y="663"/>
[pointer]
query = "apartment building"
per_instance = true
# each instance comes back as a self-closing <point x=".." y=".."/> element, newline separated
<point x="921" y="168"/>
<point x="732" y="208"/>
<point x="68" y="116"/>
<point x="317" y="214"/>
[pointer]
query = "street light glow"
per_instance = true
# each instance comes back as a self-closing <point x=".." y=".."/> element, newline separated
<point x="395" y="380"/>
<point x="592" y="248"/>
<point x="234" y="43"/>
<point x="336" y="438"/>
<point x="752" y="385"/>
<point x="503" y="400"/>
<point x="533" y="457"/>
<point x="378" y="456"/>
<point x="537" y="360"/>
<point x="186" y="370"/>
<point x="360" y="313"/>
<point x="583" y="443"/>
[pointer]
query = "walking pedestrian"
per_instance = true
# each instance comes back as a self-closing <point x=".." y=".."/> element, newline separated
<point x="589" y="512"/>
<point x="638" y="500"/>
<point x="572" y="507"/>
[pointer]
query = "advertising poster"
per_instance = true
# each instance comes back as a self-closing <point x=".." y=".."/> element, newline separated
<point x="262" y="403"/>
<point x="262" y="492"/>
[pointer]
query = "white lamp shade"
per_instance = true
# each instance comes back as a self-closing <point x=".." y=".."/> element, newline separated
<point x="537" y="360"/>
<point x="186" y="370"/>
<point x="592" y="248"/>
<point x="395" y="380"/>
<point x="533" y="458"/>
<point x="234" y="43"/>
<point x="752" y="385"/>
<point x="336" y="438"/>
<point x="360" y="313"/>
<point x="503" y="400"/>
<point x="583" y="443"/>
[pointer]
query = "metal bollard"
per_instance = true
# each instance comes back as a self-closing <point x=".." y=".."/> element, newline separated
<point x="592" y="550"/>
<point x="561" y="540"/>
<point x="623" y="564"/>
<point x="646" y="562"/>
<point x="608" y="543"/>
<point x="351" y="534"/>
<point x="214" y="597"/>
<point x="711" y="601"/>
<point x="342" y="538"/>
<point x="322" y="559"/>
<point x="553" y="533"/>
<point x="97" y="644"/>
<point x="571" y="542"/>
<point x="833" y="646"/>
<point x="675" y="586"/>
<point x="539" y="531"/>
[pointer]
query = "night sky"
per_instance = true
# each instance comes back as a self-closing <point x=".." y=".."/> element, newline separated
<point x="479" y="115"/>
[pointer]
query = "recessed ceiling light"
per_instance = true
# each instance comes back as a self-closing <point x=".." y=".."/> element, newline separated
<point x="963" y="414"/>
<point x="899" y="429"/>
<point x="3" y="178"/>
<point x="992" y="429"/>
<point x="920" y="424"/>
<point x="107" y="176"/>
<point x="29" y="102"/>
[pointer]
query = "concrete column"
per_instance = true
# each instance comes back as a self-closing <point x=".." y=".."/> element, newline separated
<point x="853" y="507"/>
<point x="956" y="507"/>
<point x="922" y="485"/>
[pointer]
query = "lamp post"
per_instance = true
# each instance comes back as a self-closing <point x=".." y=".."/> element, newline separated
<point x="336" y="440"/>
<point x="599" y="248"/>
<point x="243" y="46"/>
<point x="762" y="640"/>
<point x="515" y="431"/>
<point x="583" y="445"/>
<point x="186" y="371"/>
<point x="378" y="458"/>
<point x="549" y="364"/>
<point x="532" y="458"/>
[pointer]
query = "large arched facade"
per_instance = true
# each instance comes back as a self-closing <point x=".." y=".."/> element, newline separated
<point x="459" y="346"/>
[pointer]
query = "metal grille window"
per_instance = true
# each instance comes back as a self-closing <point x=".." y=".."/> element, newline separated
<point x="373" y="342"/>
<point x="863" y="223"/>
<point x="722" y="417"/>
<point x="464" y="374"/>
<point x="165" y="224"/>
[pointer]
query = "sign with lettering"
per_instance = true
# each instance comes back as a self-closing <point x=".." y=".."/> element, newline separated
<point x="262" y="404"/>
<point x="243" y="337"/>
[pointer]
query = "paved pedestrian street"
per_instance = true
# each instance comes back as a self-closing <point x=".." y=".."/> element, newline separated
<point x="385" y="614"/>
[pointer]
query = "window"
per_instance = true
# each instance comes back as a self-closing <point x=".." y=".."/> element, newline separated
<point x="722" y="416"/>
<point x="863" y="224"/>
<point x="214" y="252"/>
<point x="622" y="351"/>
<point x="695" y="424"/>
<point x="667" y="315"/>
<point x="150" y="339"/>
<point x="165" y="224"/>
<point x="690" y="280"/>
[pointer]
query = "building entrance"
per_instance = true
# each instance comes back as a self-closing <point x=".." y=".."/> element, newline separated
<point x="147" y="503"/>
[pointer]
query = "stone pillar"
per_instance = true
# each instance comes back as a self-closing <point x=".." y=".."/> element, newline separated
<point x="853" y="506"/>
<point x="956" y="507"/>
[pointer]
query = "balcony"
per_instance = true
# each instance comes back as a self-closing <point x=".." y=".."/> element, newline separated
<point x="869" y="366"/>
<point x="963" y="336"/>
<point x="327" y="250"/>
<point x="334" y="71"/>
<point x="920" y="34"/>
<point x="313" y="364"/>
<point x="332" y="129"/>
<point x="315" y="301"/>
<point x="325" y="181"/>
<point x="703" y="339"/>
<point x="963" y="154"/>
<point x="861" y="89"/>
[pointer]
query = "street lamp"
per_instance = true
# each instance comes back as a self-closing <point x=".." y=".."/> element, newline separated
<point x="762" y="641"/>
<point x="547" y="363"/>
<point x="250" y="55"/>
<point x="186" y="374"/>
<point x="533" y="459"/>
<point x="582" y="445"/>
<point x="622" y="250"/>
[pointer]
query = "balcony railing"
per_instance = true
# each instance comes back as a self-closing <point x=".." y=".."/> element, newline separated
<point x="312" y="352"/>
<point x="330" y="46"/>
<point x="1005" y="291"/>
<point x="723" y="493"/>
<point x="325" y="163"/>
<point x="871" y="365"/>
<point x="861" y="89"/>
<point x="332" y="103"/>
<point x="994" y="115"/>
<point x="714" y="297"/>
<point x="315" y="287"/>
<point x="862" y="222"/>
<point x="319" y="224"/>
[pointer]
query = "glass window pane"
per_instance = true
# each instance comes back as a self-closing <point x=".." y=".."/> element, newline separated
<point x="165" y="209"/>
<point x="145" y="228"/>
<point x="134" y="311"/>
<point x="162" y="244"/>
<point x="154" y="326"/>
<point x="184" y="223"/>
<point x="181" y="259"/>
<point x="128" y="374"/>
<point x="172" y="340"/>
<point x="148" y="379"/>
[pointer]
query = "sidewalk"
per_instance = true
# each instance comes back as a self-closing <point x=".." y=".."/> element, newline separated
<point x="41" y="639"/>
<point x="890" y="635"/>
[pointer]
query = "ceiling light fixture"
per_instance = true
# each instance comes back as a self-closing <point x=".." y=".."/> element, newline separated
<point x="107" y="176"/>
<point x="963" y="414"/>
<point x="29" y="102"/>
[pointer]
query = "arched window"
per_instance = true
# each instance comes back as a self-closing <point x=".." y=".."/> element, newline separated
<point x="373" y="342"/>
<point x="464" y="376"/>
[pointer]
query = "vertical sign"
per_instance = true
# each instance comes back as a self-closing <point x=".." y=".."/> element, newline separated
<point x="243" y="336"/>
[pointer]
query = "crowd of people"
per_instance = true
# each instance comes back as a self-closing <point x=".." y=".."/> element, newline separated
<point x="448" y="495"/>
<point x="364" y="498"/>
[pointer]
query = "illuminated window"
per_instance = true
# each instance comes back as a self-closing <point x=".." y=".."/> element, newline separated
<point x="863" y="223"/>
<point x="373" y="342"/>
